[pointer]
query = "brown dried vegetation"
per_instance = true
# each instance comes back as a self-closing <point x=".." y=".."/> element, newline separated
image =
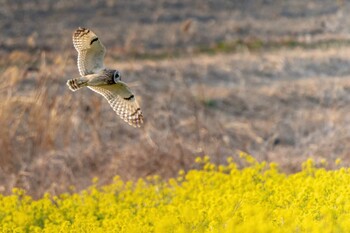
<point x="284" y="105"/>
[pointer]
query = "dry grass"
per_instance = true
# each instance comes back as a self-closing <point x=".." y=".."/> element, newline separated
<point x="279" y="106"/>
<point x="283" y="103"/>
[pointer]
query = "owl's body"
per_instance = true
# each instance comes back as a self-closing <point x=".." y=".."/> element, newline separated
<point x="104" y="81"/>
<point x="103" y="77"/>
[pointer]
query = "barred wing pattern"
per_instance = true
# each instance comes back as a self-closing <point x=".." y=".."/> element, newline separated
<point x="123" y="102"/>
<point x="90" y="50"/>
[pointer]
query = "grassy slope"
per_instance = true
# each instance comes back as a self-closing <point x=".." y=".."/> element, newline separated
<point x="211" y="80"/>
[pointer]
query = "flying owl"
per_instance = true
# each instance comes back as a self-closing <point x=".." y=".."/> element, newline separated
<point x="106" y="82"/>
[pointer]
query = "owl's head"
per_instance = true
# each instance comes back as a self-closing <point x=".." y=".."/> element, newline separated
<point x="116" y="76"/>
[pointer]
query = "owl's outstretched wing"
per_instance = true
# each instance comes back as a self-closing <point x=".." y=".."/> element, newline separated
<point x="123" y="102"/>
<point x="90" y="50"/>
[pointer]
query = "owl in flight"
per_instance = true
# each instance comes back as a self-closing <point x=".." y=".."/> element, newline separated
<point x="102" y="80"/>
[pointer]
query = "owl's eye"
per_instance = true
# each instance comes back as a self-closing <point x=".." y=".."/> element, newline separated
<point x="117" y="76"/>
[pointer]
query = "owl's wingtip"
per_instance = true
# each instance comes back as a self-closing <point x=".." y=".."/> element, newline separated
<point x="80" y="31"/>
<point x="137" y="123"/>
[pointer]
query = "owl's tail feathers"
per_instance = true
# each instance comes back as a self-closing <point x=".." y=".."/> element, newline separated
<point x="76" y="83"/>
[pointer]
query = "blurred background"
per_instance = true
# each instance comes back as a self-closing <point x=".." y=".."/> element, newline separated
<point x="267" y="77"/>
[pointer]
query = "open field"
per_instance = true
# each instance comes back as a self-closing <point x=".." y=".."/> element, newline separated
<point x="212" y="78"/>
<point x="257" y="198"/>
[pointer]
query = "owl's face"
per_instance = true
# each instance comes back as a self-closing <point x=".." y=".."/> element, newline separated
<point x="116" y="76"/>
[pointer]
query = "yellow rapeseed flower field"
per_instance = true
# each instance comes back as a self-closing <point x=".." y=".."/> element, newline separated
<point x="257" y="198"/>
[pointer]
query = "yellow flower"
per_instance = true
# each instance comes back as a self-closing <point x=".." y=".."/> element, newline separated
<point x="222" y="198"/>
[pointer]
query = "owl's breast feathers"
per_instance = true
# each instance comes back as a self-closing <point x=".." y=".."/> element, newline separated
<point x="107" y="75"/>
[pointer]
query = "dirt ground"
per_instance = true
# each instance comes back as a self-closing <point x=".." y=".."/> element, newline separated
<point x="282" y="103"/>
